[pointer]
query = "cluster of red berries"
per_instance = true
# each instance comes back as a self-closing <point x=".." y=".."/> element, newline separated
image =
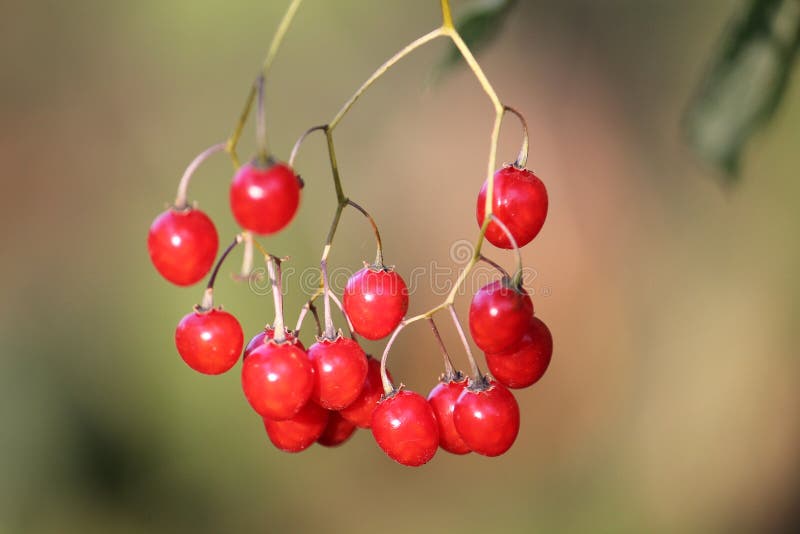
<point x="323" y="393"/>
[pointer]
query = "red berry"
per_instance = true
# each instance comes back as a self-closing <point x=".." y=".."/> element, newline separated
<point x="183" y="245"/>
<point x="277" y="379"/>
<point x="525" y="364"/>
<point x="442" y="399"/>
<point x="359" y="412"/>
<point x="209" y="341"/>
<point x="405" y="428"/>
<point x="266" y="334"/>
<point x="341" y="367"/>
<point x="499" y="316"/>
<point x="375" y="301"/>
<point x="519" y="200"/>
<point x="487" y="419"/>
<point x="299" y="432"/>
<point x="337" y="432"/>
<point x="264" y="200"/>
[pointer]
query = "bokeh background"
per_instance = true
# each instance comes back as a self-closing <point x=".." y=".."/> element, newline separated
<point x="672" y="400"/>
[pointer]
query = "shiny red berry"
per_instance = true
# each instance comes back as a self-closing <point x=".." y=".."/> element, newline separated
<point x="264" y="200"/>
<point x="359" y="412"/>
<point x="299" y="432"/>
<point x="405" y="428"/>
<point x="341" y="367"/>
<point x="337" y="431"/>
<point x="487" y="418"/>
<point x="277" y="379"/>
<point x="519" y="200"/>
<point x="266" y="334"/>
<point x="442" y="399"/>
<point x="375" y="300"/>
<point x="525" y="364"/>
<point x="499" y="316"/>
<point x="183" y="245"/>
<point x="209" y="341"/>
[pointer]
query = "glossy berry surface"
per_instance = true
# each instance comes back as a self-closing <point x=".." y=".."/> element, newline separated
<point x="267" y="334"/>
<point x="405" y="427"/>
<point x="337" y="431"/>
<point x="183" y="245"/>
<point x="341" y="367"/>
<point x="359" y="412"/>
<point x="519" y="200"/>
<point x="264" y="199"/>
<point x="499" y="316"/>
<point x="442" y="399"/>
<point x="277" y="380"/>
<point x="375" y="301"/>
<point x="487" y="420"/>
<point x="299" y="432"/>
<point x="525" y="364"/>
<point x="209" y="341"/>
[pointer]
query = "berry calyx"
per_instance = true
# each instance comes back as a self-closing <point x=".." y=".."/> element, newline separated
<point x="209" y="341"/>
<point x="265" y="335"/>
<point x="341" y="368"/>
<point x="525" y="364"/>
<point x="499" y="316"/>
<point x="442" y="399"/>
<point x="375" y="301"/>
<point x="359" y="412"/>
<point x="404" y="426"/>
<point x="519" y="199"/>
<point x="183" y="244"/>
<point x="301" y="431"/>
<point x="337" y="431"/>
<point x="264" y="199"/>
<point x="486" y="416"/>
<point x="277" y="379"/>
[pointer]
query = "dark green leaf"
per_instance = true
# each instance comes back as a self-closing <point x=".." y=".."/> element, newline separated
<point x="745" y="82"/>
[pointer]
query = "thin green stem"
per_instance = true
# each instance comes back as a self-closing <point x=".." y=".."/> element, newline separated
<point x="447" y="17"/>
<point x="208" y="295"/>
<point x="495" y="265"/>
<point x="274" y="269"/>
<point x="449" y="372"/>
<point x="261" y="123"/>
<point x="517" y="280"/>
<point x="300" y="140"/>
<point x="379" y="253"/>
<point x="522" y="157"/>
<point x="473" y="365"/>
<point x="183" y="185"/>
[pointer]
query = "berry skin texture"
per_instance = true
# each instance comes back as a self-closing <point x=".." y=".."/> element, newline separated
<point x="375" y="301"/>
<point x="264" y="200"/>
<point x="487" y="420"/>
<point x="337" y="431"/>
<point x="301" y="431"/>
<point x="267" y="334"/>
<point x="209" y="341"/>
<point x="277" y="380"/>
<point x="359" y="412"/>
<point x="524" y="365"/>
<point x="341" y="368"/>
<point x="405" y="427"/>
<point x="442" y="399"/>
<point x="183" y="245"/>
<point x="499" y="316"/>
<point x="519" y="199"/>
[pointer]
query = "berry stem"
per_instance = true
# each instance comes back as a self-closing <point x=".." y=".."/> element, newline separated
<point x="338" y="303"/>
<point x="449" y="372"/>
<point x="301" y="140"/>
<point x="274" y="269"/>
<point x="473" y="365"/>
<point x="330" y="331"/>
<point x="183" y="185"/>
<point x="447" y="17"/>
<point x="522" y="157"/>
<point x="388" y="387"/>
<point x="379" y="253"/>
<point x="309" y="306"/>
<point x="495" y="265"/>
<point x="247" y="256"/>
<point x="261" y="123"/>
<point x="517" y="280"/>
<point x="208" y="295"/>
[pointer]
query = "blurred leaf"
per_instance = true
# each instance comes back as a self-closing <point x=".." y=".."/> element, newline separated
<point x="745" y="83"/>
<point x="478" y="26"/>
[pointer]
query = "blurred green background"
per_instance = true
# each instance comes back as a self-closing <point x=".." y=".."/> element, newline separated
<point x="672" y="400"/>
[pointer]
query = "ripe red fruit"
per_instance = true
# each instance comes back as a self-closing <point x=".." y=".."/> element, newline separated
<point x="359" y="412"/>
<point x="267" y="334"/>
<point x="375" y="301"/>
<point x="183" y="245"/>
<point x="499" y="316"/>
<point x="264" y="200"/>
<point x="209" y="341"/>
<point x="405" y="428"/>
<point x="337" y="431"/>
<point x="519" y="200"/>
<point x="525" y="364"/>
<point x="442" y="399"/>
<point x="277" y="379"/>
<point x="341" y="367"/>
<point x="299" y="432"/>
<point x="487" y="418"/>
